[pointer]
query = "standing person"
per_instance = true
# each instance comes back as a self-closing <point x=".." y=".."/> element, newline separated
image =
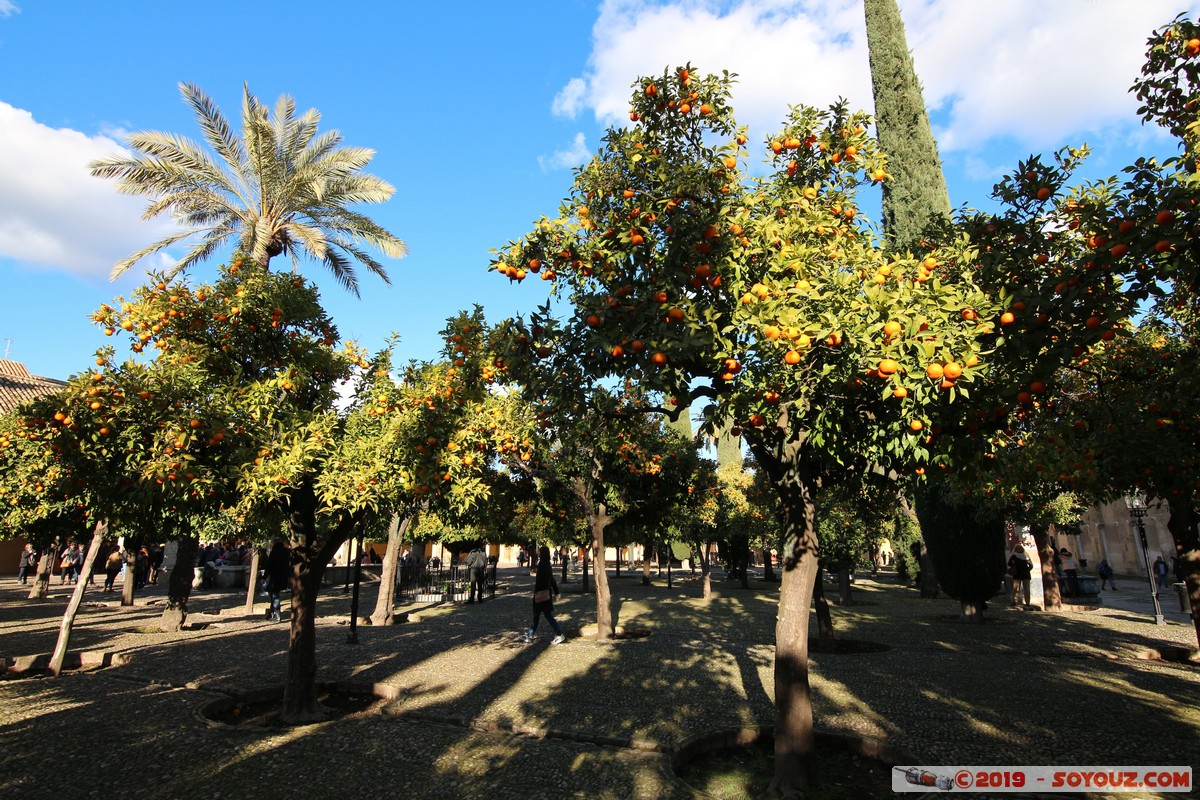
<point x="67" y="565"/>
<point x="1105" y="571"/>
<point x="545" y="589"/>
<point x="112" y="568"/>
<point x="1070" y="572"/>
<point x="279" y="568"/>
<point x="477" y="571"/>
<point x="1160" y="573"/>
<point x="27" y="564"/>
<point x="1021" y="569"/>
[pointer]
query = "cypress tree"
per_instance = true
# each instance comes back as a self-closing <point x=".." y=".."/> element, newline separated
<point x="914" y="195"/>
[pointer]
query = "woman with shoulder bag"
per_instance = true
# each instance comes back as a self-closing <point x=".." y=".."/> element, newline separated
<point x="545" y="589"/>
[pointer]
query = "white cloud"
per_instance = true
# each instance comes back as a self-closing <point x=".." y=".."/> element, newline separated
<point x="1024" y="70"/>
<point x="573" y="156"/>
<point x="568" y="102"/>
<point x="53" y="213"/>
<point x="8" y="8"/>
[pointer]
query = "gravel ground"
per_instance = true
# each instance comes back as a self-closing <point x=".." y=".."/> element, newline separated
<point x="1025" y="688"/>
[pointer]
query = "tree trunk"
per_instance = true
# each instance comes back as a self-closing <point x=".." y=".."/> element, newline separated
<point x="68" y="620"/>
<point x="41" y="582"/>
<point x="706" y="572"/>
<point x="604" y="624"/>
<point x="385" y="602"/>
<point x="252" y="581"/>
<point x="646" y="550"/>
<point x="1184" y="526"/>
<point x="1051" y="597"/>
<point x="794" y="734"/>
<point x="130" y="582"/>
<point x="826" y="641"/>
<point x="929" y="584"/>
<point x="308" y="562"/>
<point x="743" y="564"/>
<point x="179" y="587"/>
<point x="768" y="569"/>
<point x="844" y="585"/>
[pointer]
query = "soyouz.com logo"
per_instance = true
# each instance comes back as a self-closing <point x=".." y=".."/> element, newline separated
<point x="1041" y="779"/>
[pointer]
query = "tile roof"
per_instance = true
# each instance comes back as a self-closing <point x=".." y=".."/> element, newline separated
<point x="18" y="386"/>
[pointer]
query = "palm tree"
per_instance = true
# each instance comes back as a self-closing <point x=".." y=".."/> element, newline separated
<point x="278" y="188"/>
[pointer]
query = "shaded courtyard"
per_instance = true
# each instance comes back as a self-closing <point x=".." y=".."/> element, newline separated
<point x="478" y="714"/>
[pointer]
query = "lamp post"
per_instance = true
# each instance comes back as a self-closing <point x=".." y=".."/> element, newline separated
<point x="1136" y="503"/>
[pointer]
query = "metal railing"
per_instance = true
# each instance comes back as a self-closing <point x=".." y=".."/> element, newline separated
<point x="441" y="583"/>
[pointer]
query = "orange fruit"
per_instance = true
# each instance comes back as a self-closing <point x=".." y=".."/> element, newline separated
<point x="1043" y="193"/>
<point x="890" y="329"/>
<point x="888" y="366"/>
<point x="916" y="424"/>
<point x="658" y="358"/>
<point x="675" y="314"/>
<point x="934" y="371"/>
<point x="1037" y="387"/>
<point x="791" y="357"/>
<point x="900" y="392"/>
<point x="1165" y="217"/>
<point x="1007" y="318"/>
<point x="952" y="371"/>
<point x="593" y="321"/>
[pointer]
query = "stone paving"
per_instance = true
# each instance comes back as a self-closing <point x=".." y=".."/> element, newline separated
<point x="1025" y="688"/>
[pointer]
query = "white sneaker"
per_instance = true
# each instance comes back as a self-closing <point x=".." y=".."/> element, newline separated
<point x="526" y="638"/>
<point x="558" y="639"/>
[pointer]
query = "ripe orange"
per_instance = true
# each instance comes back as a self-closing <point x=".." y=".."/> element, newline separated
<point x="1007" y="318"/>
<point x="1043" y="193"/>
<point x="1024" y="398"/>
<point x="675" y="314"/>
<point x="952" y="371"/>
<point x="888" y="366"/>
<point x="916" y="424"/>
<point x="969" y="314"/>
<point x="1093" y="322"/>
<point x="1165" y="217"/>
<point x="658" y="359"/>
<point x="890" y="329"/>
<point x="651" y="90"/>
<point x="593" y="321"/>
<point x="900" y="393"/>
<point x="1162" y="246"/>
<point x="791" y="357"/>
<point x="617" y="351"/>
<point x="1119" y="250"/>
<point x="1037" y="387"/>
<point x="934" y="371"/>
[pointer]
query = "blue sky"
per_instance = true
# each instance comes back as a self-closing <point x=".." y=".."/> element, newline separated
<point x="478" y="111"/>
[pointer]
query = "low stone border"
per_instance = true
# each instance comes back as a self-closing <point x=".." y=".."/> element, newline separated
<point x="40" y="664"/>
<point x="726" y="738"/>
<point x="231" y="700"/>
<point x="1176" y="655"/>
<point x="620" y="632"/>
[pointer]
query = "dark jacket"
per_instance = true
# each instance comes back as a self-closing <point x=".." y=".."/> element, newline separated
<point x="279" y="568"/>
<point x="544" y="579"/>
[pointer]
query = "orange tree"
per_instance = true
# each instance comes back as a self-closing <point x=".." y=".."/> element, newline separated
<point x="327" y="469"/>
<point x="587" y="446"/>
<point x="768" y="299"/>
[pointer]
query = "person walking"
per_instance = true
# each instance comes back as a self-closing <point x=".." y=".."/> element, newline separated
<point x="1070" y="572"/>
<point x="477" y="571"/>
<point x="1105" y="571"/>
<point x="279" y="567"/>
<point x="545" y="589"/>
<point x="112" y="568"/>
<point x="1160" y="573"/>
<point x="27" y="565"/>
